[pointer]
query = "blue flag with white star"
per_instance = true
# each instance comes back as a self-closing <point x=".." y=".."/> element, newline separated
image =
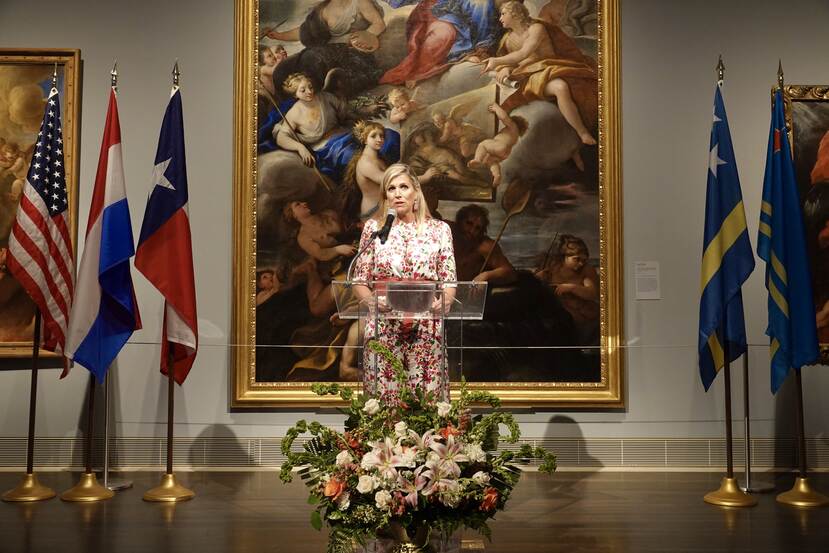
<point x="781" y="244"/>
<point x="727" y="260"/>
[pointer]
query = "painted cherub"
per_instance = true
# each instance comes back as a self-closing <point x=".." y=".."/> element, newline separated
<point x="269" y="58"/>
<point x="13" y="163"/>
<point x="402" y="105"/>
<point x="455" y="132"/>
<point x="492" y="151"/>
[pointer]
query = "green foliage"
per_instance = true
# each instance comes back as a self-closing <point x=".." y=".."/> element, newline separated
<point x="331" y="463"/>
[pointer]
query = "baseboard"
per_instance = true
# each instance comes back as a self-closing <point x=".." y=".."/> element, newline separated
<point x="206" y="453"/>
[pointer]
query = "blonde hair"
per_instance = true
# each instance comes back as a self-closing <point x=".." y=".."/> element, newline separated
<point x="519" y="10"/>
<point x="394" y="171"/>
<point x="396" y="94"/>
<point x="291" y="82"/>
<point x="363" y="128"/>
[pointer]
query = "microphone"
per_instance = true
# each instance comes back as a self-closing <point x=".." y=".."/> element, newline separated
<point x="383" y="233"/>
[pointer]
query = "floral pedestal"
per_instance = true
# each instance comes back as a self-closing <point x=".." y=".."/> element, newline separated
<point x="415" y="462"/>
<point x="395" y="539"/>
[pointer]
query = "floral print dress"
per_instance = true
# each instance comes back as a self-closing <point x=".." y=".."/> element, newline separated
<point x="410" y="254"/>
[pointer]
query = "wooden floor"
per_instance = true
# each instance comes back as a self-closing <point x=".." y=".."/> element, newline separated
<point x="238" y="512"/>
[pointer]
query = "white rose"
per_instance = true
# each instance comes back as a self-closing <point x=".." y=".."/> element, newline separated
<point x="369" y="461"/>
<point x="401" y="428"/>
<point x="344" y="457"/>
<point x="344" y="501"/>
<point x="443" y="408"/>
<point x="382" y="499"/>
<point x="371" y="407"/>
<point x="475" y="453"/>
<point x="481" y="477"/>
<point x="365" y="484"/>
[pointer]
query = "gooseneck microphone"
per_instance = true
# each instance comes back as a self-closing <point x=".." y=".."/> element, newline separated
<point x="383" y="233"/>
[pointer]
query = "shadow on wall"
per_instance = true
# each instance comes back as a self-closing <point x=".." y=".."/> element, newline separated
<point x="564" y="437"/>
<point x="218" y="447"/>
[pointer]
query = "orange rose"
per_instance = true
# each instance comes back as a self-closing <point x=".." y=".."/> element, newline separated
<point x="448" y="430"/>
<point x="334" y="488"/>
<point x="490" y="499"/>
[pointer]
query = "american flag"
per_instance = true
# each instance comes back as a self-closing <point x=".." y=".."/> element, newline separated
<point x="40" y="249"/>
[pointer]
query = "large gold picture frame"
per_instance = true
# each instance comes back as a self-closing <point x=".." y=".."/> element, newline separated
<point x="25" y="80"/>
<point x="249" y="390"/>
<point x="807" y="117"/>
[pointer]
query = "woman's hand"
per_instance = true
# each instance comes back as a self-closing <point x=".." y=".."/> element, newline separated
<point x="306" y="155"/>
<point x="380" y="302"/>
<point x="364" y="41"/>
<point x="441" y="305"/>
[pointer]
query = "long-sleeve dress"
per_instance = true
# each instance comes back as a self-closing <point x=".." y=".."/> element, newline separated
<point x="408" y="254"/>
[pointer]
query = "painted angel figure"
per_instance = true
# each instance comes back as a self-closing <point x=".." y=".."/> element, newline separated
<point x="455" y="132"/>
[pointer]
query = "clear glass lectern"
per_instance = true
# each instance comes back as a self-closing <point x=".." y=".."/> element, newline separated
<point x="368" y="304"/>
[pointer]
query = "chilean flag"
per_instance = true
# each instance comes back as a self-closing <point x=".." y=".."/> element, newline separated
<point x="104" y="311"/>
<point x="165" y="255"/>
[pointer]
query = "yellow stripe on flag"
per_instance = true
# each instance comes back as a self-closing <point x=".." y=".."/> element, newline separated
<point x="765" y="207"/>
<point x="731" y="229"/>
<point x="716" y="352"/>
<point x="775" y="345"/>
<point x="778" y="298"/>
<point x="765" y="229"/>
<point x="778" y="268"/>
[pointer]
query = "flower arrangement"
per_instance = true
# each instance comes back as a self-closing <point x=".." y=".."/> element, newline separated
<point x="408" y="469"/>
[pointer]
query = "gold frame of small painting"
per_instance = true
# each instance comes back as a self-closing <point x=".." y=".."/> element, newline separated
<point x="22" y="72"/>
<point x="249" y="387"/>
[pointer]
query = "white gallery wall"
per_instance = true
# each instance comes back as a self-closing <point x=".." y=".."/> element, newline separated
<point x="669" y="51"/>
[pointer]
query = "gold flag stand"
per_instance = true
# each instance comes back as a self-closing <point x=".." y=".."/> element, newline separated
<point x="29" y="489"/>
<point x="729" y="493"/>
<point x="169" y="489"/>
<point x="802" y="495"/>
<point x="88" y="489"/>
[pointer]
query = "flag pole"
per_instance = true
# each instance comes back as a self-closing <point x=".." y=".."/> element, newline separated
<point x="88" y="489"/>
<point x="801" y="494"/>
<point x="170" y="490"/>
<point x="729" y="493"/>
<point x="757" y="487"/>
<point x="29" y="489"/>
<point x="114" y="484"/>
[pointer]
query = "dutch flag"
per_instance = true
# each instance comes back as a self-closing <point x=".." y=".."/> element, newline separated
<point x="104" y="311"/>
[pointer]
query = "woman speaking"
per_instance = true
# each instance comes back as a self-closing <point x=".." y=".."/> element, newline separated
<point x="418" y="248"/>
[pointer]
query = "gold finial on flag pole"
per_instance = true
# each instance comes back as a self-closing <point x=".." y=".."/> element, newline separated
<point x="780" y="74"/>
<point x="113" y="76"/>
<point x="720" y="71"/>
<point x="55" y="76"/>
<point x="176" y="74"/>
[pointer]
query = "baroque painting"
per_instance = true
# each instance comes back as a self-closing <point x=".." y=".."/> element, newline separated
<point x="25" y="82"/>
<point x="506" y="111"/>
<point x="808" y="116"/>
